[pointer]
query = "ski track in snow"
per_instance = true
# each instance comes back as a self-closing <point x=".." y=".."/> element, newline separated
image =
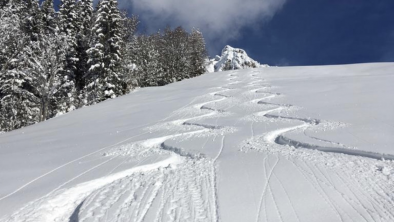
<point x="183" y="186"/>
<point x="277" y="143"/>
<point x="189" y="169"/>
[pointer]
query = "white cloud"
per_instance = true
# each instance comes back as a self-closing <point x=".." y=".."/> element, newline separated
<point x="219" y="20"/>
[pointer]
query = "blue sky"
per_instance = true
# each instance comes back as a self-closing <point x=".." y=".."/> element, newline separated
<point x="282" y="32"/>
<point x="320" y="32"/>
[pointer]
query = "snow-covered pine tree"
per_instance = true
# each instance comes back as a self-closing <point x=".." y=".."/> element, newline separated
<point x="198" y="53"/>
<point x="129" y="53"/>
<point x="68" y="23"/>
<point x="16" y="108"/>
<point x="130" y="25"/>
<point x="84" y="18"/>
<point x="129" y="64"/>
<point x="114" y="83"/>
<point x="173" y="54"/>
<point x="10" y="31"/>
<point x="94" y="85"/>
<point x="182" y="63"/>
<point x="52" y="89"/>
<point x="38" y="71"/>
<point x="56" y="67"/>
<point x="92" y="90"/>
<point x="48" y="16"/>
<point x="33" y="85"/>
<point x="83" y="39"/>
<point x="30" y="14"/>
<point x="105" y="54"/>
<point x="167" y="55"/>
<point x="148" y="71"/>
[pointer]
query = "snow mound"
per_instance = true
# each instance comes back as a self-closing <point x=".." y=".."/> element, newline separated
<point x="232" y="59"/>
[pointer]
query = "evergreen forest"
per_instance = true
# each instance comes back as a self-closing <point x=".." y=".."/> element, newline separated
<point x="55" y="61"/>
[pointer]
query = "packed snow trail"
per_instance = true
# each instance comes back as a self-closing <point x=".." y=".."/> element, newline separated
<point x="237" y="148"/>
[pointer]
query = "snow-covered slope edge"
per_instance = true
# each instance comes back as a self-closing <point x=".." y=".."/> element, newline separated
<point x="232" y="59"/>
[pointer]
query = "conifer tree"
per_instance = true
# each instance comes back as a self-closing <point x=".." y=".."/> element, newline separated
<point x="148" y="70"/>
<point x="114" y="83"/>
<point x="48" y="16"/>
<point x="83" y="38"/>
<point x="197" y="54"/>
<point x="174" y="54"/>
<point x="16" y="108"/>
<point x="167" y="55"/>
<point x="96" y="53"/>
<point x="129" y="51"/>
<point x="68" y="26"/>
<point x="10" y="32"/>
<point x="105" y="54"/>
<point x="181" y="51"/>
<point x="31" y="19"/>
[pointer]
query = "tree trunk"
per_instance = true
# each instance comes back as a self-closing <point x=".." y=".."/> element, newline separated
<point x="43" y="111"/>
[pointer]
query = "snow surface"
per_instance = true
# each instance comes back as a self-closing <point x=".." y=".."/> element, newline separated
<point x="234" y="58"/>
<point x="267" y="144"/>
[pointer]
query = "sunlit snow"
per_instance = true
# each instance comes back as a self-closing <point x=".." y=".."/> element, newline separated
<point x="265" y="144"/>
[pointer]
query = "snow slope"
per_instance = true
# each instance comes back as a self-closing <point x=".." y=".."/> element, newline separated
<point x="267" y="144"/>
<point x="232" y="59"/>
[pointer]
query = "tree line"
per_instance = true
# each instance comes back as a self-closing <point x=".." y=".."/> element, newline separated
<point x="53" y="62"/>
